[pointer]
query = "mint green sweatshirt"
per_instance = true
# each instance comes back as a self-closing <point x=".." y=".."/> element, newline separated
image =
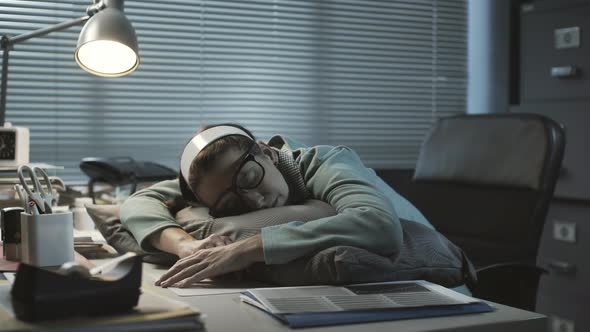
<point x="368" y="210"/>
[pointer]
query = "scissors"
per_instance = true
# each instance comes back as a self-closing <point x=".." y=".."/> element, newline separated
<point x="22" y="195"/>
<point x="43" y="199"/>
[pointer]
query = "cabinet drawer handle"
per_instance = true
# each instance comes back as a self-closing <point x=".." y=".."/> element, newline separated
<point x="564" y="71"/>
<point x="562" y="267"/>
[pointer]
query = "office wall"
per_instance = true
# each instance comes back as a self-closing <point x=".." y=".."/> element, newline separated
<point x="488" y="56"/>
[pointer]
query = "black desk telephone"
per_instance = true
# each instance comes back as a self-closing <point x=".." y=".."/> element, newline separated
<point x="123" y="170"/>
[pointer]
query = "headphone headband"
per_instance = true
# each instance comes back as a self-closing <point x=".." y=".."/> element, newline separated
<point x="201" y="141"/>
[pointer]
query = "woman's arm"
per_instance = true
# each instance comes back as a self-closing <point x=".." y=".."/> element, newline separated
<point x="366" y="217"/>
<point x="147" y="216"/>
<point x="207" y="263"/>
<point x="177" y="241"/>
<point x="249" y="224"/>
<point x="147" y="211"/>
<point x="211" y="262"/>
<point x="234" y="228"/>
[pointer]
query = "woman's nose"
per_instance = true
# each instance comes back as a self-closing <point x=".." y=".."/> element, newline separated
<point x="254" y="199"/>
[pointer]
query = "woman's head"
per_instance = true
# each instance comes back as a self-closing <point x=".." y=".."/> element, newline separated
<point x="224" y="168"/>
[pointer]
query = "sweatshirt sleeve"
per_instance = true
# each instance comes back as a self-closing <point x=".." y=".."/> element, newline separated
<point x="148" y="211"/>
<point x="365" y="216"/>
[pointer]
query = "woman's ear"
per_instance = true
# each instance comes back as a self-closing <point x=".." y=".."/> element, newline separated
<point x="268" y="151"/>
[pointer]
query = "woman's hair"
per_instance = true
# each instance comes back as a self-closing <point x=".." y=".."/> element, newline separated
<point x="206" y="159"/>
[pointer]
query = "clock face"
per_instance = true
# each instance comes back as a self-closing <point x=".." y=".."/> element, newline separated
<point x="7" y="145"/>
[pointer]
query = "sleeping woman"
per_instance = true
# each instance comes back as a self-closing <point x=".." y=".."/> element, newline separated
<point x="238" y="178"/>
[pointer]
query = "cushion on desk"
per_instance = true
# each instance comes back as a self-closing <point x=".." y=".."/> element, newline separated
<point x="426" y="254"/>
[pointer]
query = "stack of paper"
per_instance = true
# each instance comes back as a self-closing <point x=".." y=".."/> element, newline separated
<point x="331" y="305"/>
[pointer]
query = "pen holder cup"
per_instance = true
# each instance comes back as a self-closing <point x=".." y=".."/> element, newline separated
<point x="47" y="239"/>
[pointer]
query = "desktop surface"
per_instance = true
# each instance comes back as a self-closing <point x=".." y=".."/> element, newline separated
<point x="225" y="312"/>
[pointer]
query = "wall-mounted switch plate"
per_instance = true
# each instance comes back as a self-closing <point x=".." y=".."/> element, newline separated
<point x="559" y="324"/>
<point x="567" y="38"/>
<point x="564" y="231"/>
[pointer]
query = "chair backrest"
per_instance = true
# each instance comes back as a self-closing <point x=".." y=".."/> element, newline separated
<point x="485" y="181"/>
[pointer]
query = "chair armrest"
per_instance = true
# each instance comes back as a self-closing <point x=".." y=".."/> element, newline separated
<point x="515" y="267"/>
<point x="511" y="283"/>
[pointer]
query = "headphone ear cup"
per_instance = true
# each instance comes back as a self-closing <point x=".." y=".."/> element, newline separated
<point x="75" y="270"/>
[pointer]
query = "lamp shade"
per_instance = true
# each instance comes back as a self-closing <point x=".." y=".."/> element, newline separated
<point x="107" y="45"/>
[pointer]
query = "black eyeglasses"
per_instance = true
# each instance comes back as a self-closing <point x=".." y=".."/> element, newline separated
<point x="248" y="176"/>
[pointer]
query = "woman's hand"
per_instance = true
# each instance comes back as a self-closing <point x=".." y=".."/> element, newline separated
<point x="212" y="262"/>
<point x="177" y="241"/>
<point x="189" y="246"/>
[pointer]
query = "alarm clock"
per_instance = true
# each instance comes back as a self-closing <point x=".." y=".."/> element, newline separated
<point x="14" y="146"/>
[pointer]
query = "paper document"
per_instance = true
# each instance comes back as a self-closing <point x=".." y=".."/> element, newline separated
<point x="215" y="287"/>
<point x="331" y="305"/>
<point x="10" y="276"/>
<point x="388" y="295"/>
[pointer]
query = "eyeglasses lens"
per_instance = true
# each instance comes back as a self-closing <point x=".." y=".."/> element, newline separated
<point x="250" y="175"/>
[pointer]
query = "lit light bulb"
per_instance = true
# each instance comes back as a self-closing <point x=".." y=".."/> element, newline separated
<point x="106" y="58"/>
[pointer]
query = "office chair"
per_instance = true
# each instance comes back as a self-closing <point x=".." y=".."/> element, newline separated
<point x="485" y="182"/>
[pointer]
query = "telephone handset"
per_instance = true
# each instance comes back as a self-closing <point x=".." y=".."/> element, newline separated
<point x="119" y="171"/>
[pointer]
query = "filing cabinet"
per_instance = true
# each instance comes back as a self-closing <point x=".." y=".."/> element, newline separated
<point x="564" y="292"/>
<point x="564" y="316"/>
<point x="565" y="245"/>
<point x="556" y="46"/>
<point x="555" y="82"/>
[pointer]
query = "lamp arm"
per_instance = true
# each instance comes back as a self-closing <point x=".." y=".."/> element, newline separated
<point x="4" y="79"/>
<point x="47" y="30"/>
<point x="97" y="6"/>
<point x="6" y="43"/>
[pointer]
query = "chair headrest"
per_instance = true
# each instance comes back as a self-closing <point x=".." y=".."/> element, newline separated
<point x="475" y="149"/>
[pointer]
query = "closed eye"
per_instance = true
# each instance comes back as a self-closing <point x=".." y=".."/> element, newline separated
<point x="249" y="176"/>
<point x="247" y="179"/>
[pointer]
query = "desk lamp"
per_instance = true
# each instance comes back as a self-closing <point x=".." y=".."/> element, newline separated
<point x="107" y="47"/>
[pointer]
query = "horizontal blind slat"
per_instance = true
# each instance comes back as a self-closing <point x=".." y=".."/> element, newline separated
<point x="373" y="75"/>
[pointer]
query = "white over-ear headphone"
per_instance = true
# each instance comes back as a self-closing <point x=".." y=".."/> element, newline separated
<point x="199" y="142"/>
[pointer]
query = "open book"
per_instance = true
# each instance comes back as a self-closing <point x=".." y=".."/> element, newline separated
<point x="330" y="305"/>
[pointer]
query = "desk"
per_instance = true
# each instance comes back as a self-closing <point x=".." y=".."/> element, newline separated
<point x="225" y="312"/>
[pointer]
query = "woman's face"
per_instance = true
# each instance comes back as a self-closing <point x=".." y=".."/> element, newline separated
<point x="222" y="189"/>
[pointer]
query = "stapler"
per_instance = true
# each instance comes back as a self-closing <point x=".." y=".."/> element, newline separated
<point x="39" y="294"/>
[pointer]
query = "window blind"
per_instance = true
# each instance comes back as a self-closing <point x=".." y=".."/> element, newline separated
<point x="372" y="75"/>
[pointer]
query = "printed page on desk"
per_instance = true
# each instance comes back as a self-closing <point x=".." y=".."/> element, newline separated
<point x="387" y="295"/>
<point x="213" y="287"/>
